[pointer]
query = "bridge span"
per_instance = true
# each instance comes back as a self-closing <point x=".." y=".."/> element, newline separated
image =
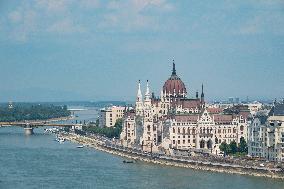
<point x="29" y="126"/>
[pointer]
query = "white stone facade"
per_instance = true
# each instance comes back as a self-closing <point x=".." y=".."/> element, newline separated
<point x="266" y="138"/>
<point x="174" y="121"/>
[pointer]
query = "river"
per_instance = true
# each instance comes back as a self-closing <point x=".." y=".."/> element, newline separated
<point x="38" y="161"/>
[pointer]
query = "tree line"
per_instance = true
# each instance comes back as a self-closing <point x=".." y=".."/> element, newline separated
<point x="21" y="112"/>
<point x="233" y="148"/>
<point x="109" y="132"/>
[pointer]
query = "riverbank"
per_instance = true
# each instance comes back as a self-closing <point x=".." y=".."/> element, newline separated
<point x="177" y="162"/>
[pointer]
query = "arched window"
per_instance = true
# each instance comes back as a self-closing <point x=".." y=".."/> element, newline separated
<point x="202" y="144"/>
<point x="178" y="130"/>
<point x="174" y="130"/>
<point x="188" y="131"/>
<point x="209" y="144"/>
<point x="193" y="131"/>
<point x="183" y="131"/>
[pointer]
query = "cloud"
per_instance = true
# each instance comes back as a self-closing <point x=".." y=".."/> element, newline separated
<point x="264" y="17"/>
<point x="90" y="4"/>
<point x="65" y="26"/>
<point x="37" y="17"/>
<point x="15" y="16"/>
<point x="53" y="6"/>
<point x="133" y="15"/>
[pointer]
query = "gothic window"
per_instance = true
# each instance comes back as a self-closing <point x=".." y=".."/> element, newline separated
<point x="202" y="144"/>
<point x="193" y="131"/>
<point x="188" y="131"/>
<point x="216" y="140"/>
<point x="183" y="131"/>
<point x="178" y="130"/>
<point x="209" y="144"/>
<point x="174" y="130"/>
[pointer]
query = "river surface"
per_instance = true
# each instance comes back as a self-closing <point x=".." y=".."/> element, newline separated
<point x="38" y="161"/>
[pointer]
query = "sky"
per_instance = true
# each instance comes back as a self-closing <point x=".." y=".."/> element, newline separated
<point x="63" y="50"/>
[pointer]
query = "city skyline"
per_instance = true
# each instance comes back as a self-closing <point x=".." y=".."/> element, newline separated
<point x="96" y="50"/>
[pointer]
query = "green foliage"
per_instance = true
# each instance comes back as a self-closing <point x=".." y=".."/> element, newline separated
<point x="22" y="112"/>
<point x="224" y="147"/>
<point x="243" y="147"/>
<point x="233" y="149"/>
<point x="106" y="131"/>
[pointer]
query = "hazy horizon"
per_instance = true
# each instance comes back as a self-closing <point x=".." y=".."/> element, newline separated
<point x="87" y="50"/>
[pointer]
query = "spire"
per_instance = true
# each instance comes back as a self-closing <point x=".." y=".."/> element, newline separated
<point x="139" y="93"/>
<point x="174" y="68"/>
<point x="202" y="97"/>
<point x="202" y="93"/>
<point x="147" y="94"/>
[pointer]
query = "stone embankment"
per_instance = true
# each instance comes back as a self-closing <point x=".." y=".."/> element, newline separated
<point x="177" y="162"/>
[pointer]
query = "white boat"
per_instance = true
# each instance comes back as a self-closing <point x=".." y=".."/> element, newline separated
<point x="80" y="146"/>
<point x="61" y="140"/>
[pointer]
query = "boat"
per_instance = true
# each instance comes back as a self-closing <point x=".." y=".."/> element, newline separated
<point x="80" y="146"/>
<point x="261" y="165"/>
<point x="61" y="140"/>
<point x="128" y="161"/>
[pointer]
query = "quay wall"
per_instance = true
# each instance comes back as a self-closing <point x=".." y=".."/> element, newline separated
<point x="198" y="165"/>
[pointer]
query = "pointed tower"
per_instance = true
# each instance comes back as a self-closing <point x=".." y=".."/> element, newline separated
<point x="139" y="101"/>
<point x="202" y="97"/>
<point x="147" y="101"/>
<point x="139" y="93"/>
<point x="174" y="68"/>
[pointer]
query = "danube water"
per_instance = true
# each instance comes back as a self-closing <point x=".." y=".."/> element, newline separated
<point x="38" y="161"/>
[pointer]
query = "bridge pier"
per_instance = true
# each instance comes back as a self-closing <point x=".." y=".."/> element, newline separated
<point x="29" y="130"/>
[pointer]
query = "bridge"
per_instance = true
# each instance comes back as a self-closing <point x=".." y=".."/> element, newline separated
<point x="29" y="126"/>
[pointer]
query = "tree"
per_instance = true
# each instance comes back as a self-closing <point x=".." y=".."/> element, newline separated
<point x="97" y="122"/>
<point x="224" y="147"/>
<point x="243" y="147"/>
<point x="233" y="147"/>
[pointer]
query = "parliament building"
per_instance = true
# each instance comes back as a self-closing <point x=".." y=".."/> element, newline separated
<point x="174" y="122"/>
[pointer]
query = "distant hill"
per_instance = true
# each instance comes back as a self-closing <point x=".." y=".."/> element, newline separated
<point x="98" y="104"/>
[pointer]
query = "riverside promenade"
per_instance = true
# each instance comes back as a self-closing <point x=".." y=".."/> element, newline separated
<point x="198" y="163"/>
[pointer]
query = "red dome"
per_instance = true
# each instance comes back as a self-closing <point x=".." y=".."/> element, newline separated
<point x="174" y="84"/>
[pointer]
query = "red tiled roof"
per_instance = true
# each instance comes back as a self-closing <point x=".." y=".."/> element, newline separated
<point x="244" y="114"/>
<point x="223" y="118"/>
<point x="186" y="118"/>
<point x="214" y="110"/>
<point x="190" y="103"/>
<point x="174" y="84"/>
